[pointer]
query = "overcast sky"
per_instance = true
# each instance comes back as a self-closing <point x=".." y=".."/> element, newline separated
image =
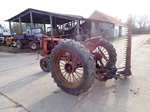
<point x="116" y="8"/>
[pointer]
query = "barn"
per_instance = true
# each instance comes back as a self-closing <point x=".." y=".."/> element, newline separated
<point x="98" y="24"/>
<point x="109" y="27"/>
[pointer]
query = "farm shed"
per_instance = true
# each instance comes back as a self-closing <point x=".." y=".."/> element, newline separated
<point x="98" y="24"/>
<point x="108" y="26"/>
<point x="35" y="16"/>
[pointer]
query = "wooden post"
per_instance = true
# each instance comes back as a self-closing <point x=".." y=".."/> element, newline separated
<point x="51" y="22"/>
<point x="78" y="26"/>
<point x="44" y="26"/>
<point x="31" y="19"/>
<point x="20" y="25"/>
<point x="10" y="28"/>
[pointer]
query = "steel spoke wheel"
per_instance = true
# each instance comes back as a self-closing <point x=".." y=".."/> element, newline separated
<point x="69" y="68"/>
<point x="72" y="67"/>
<point x="105" y="57"/>
<point x="105" y="54"/>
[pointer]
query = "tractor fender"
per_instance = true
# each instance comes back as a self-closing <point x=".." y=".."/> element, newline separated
<point x="92" y="43"/>
<point x="31" y="39"/>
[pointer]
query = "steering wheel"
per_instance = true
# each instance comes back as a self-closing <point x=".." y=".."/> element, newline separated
<point x="78" y="33"/>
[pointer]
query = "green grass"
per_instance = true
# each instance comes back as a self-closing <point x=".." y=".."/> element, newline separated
<point x="116" y="39"/>
<point x="10" y="49"/>
<point x="148" y="41"/>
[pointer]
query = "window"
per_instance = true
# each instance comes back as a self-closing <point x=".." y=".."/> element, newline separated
<point x="37" y="30"/>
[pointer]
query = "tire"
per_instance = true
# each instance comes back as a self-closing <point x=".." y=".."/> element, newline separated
<point x="19" y="44"/>
<point x="44" y="64"/>
<point x="105" y="56"/>
<point x="76" y="58"/>
<point x="109" y="53"/>
<point x="33" y="45"/>
<point x="14" y="44"/>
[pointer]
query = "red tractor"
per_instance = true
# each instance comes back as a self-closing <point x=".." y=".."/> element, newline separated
<point x="75" y="64"/>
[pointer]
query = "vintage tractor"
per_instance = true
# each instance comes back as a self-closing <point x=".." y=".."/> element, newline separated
<point x="75" y="64"/>
<point x="10" y="41"/>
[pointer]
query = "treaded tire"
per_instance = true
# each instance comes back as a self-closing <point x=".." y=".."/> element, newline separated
<point x="19" y="44"/>
<point x="44" y="64"/>
<point x="111" y="51"/>
<point x="14" y="44"/>
<point x="33" y="45"/>
<point x="86" y="59"/>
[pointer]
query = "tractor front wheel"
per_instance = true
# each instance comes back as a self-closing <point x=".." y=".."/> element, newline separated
<point x="105" y="53"/>
<point x="105" y="56"/>
<point x="19" y="44"/>
<point x="14" y="44"/>
<point x="44" y="64"/>
<point x="33" y="45"/>
<point x="72" y="67"/>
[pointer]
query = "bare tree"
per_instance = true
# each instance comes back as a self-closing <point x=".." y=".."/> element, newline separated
<point x="141" y="24"/>
<point x="16" y="28"/>
<point x="142" y="21"/>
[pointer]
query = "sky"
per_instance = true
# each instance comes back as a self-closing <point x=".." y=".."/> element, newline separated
<point x="116" y="8"/>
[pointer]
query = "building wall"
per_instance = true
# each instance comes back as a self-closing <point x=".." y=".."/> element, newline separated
<point x="106" y="30"/>
<point x="123" y="31"/>
<point x="116" y="31"/>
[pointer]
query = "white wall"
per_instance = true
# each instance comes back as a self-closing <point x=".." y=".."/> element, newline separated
<point x="124" y="31"/>
<point x="4" y="32"/>
<point x="116" y="31"/>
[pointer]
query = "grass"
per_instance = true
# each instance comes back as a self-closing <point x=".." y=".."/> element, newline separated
<point x="116" y="39"/>
<point x="148" y="41"/>
<point x="9" y="49"/>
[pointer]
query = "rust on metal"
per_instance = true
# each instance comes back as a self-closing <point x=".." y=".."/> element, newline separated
<point x="127" y="70"/>
<point x="68" y="68"/>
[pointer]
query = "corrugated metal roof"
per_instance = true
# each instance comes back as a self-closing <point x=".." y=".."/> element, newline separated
<point x="96" y="15"/>
<point x="39" y="16"/>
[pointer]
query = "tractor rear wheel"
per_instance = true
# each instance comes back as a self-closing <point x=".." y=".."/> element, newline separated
<point x="72" y="67"/>
<point x="105" y="53"/>
<point x="44" y="64"/>
<point x="105" y="57"/>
